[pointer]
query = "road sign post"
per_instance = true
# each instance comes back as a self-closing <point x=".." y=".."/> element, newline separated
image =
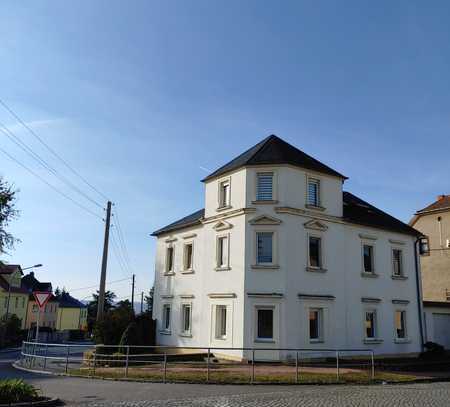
<point x="41" y="298"/>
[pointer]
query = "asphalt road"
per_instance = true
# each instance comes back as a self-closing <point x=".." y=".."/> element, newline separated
<point x="86" y="392"/>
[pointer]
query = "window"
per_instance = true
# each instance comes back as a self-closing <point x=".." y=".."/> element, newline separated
<point x="221" y="321"/>
<point x="35" y="308"/>
<point x="224" y="194"/>
<point x="315" y="324"/>
<point x="222" y="252"/>
<point x="315" y="251"/>
<point x="166" y="317"/>
<point x="23" y="302"/>
<point x="188" y="256"/>
<point x="17" y="302"/>
<point x="264" y="247"/>
<point x="186" y="319"/>
<point x="371" y="324"/>
<point x="400" y="324"/>
<point x="397" y="262"/>
<point x="368" y="258"/>
<point x="313" y="192"/>
<point x="6" y="302"/>
<point x="264" y="187"/>
<point x="264" y="323"/>
<point x="169" y="259"/>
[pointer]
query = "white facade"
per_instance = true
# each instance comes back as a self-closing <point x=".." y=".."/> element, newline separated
<point x="310" y="294"/>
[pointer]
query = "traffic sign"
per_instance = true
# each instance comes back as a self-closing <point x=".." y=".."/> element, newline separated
<point x="42" y="297"/>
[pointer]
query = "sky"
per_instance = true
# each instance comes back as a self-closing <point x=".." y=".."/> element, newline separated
<point x="143" y="98"/>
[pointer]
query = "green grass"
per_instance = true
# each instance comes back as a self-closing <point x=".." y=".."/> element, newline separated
<point x="243" y="378"/>
<point x="17" y="391"/>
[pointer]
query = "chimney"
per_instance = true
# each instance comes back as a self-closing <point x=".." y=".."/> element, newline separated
<point x="440" y="197"/>
<point x="32" y="273"/>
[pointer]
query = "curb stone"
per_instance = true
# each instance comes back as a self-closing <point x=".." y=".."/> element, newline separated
<point x="43" y="403"/>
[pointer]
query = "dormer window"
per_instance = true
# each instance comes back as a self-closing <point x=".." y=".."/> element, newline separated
<point x="313" y="198"/>
<point x="264" y="187"/>
<point x="224" y="193"/>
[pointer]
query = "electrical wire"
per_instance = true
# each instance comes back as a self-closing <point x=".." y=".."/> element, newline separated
<point x="16" y="116"/>
<point x="120" y="234"/>
<point x="96" y="285"/>
<point x="122" y="263"/>
<point x="50" y="185"/>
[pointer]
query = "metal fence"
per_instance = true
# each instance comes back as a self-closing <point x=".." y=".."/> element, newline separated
<point x="200" y="364"/>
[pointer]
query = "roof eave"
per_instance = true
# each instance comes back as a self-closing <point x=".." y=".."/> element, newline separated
<point x="186" y="225"/>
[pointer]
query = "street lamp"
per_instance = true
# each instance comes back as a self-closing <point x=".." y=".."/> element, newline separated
<point x="9" y="287"/>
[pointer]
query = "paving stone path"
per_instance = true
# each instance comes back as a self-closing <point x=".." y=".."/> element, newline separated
<point x="424" y="395"/>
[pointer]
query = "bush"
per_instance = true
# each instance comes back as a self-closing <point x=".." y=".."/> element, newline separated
<point x="433" y="351"/>
<point x="17" y="391"/>
<point x="10" y="331"/>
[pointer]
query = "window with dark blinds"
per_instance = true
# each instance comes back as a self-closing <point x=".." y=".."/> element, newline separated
<point x="264" y="189"/>
<point x="313" y="192"/>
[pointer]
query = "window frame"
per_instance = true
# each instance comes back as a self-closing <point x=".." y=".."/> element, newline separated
<point x="171" y="270"/>
<point x="405" y="327"/>
<point x="219" y="322"/>
<point x="401" y="263"/>
<point x="186" y="267"/>
<point x="166" y="324"/>
<point x="225" y="250"/>
<point x="320" y="327"/>
<point x="373" y="251"/>
<point x="258" y="308"/>
<point x="375" y="324"/>
<point x="257" y="262"/>
<point x="257" y="196"/>
<point x="224" y="204"/>
<point x="316" y="180"/>
<point x="184" y="332"/>
<point x="321" y="257"/>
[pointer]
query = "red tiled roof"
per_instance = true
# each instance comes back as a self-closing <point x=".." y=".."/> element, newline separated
<point x="442" y="203"/>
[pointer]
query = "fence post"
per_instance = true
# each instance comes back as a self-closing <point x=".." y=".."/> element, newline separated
<point x="67" y="358"/>
<point x="373" y="364"/>
<point x="253" y="365"/>
<point x="207" y="366"/>
<point x="296" y="367"/>
<point x="165" y="367"/>
<point x="45" y="356"/>
<point x="95" y="360"/>
<point x="337" y="365"/>
<point x="126" y="362"/>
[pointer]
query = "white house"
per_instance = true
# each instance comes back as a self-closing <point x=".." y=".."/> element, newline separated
<point x="281" y="257"/>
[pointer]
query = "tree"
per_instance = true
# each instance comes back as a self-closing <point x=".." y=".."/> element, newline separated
<point x="149" y="300"/>
<point x="57" y="292"/>
<point x="10" y="331"/>
<point x="93" y="306"/>
<point x="7" y="214"/>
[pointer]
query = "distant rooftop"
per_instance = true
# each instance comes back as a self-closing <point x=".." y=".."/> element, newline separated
<point x="274" y="151"/>
<point x="65" y="300"/>
<point x="442" y="203"/>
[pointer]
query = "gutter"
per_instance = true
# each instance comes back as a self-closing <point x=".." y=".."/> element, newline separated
<point x="419" y="293"/>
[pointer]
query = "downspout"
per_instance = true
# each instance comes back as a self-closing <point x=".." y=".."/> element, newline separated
<point x="419" y="296"/>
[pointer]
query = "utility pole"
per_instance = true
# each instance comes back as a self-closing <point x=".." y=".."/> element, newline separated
<point x="132" y="293"/>
<point x="142" y="302"/>
<point x="101" y="292"/>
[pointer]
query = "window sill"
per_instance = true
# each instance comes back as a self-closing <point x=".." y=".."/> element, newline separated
<point x="186" y="335"/>
<point x="265" y="266"/>
<point x="220" y="338"/>
<point x="399" y="278"/>
<point x="223" y="208"/>
<point x="369" y="275"/>
<point x="264" y="202"/>
<point x="165" y="332"/>
<point x="313" y="341"/>
<point x="170" y="273"/>
<point x="262" y="340"/>
<point x="402" y="340"/>
<point x="222" y="268"/>
<point x="373" y="341"/>
<point x="315" y="269"/>
<point x="315" y="208"/>
<point x="187" y="271"/>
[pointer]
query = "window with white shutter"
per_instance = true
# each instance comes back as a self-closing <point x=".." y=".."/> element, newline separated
<point x="264" y="187"/>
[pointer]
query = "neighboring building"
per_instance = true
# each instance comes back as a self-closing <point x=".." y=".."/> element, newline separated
<point x="13" y="298"/>
<point x="281" y="257"/>
<point x="72" y="314"/>
<point x="434" y="222"/>
<point x="31" y="283"/>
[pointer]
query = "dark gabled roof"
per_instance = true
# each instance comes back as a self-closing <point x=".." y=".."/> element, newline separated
<point x="272" y="151"/>
<point x="360" y="212"/>
<point x="9" y="268"/>
<point x="5" y="285"/>
<point x="190" y="220"/>
<point x="32" y="284"/>
<point x="65" y="300"/>
<point x="442" y="203"/>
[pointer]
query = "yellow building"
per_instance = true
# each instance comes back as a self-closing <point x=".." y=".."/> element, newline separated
<point x="13" y="298"/>
<point x="72" y="314"/>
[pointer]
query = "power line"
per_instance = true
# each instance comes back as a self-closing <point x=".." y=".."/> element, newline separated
<point x="18" y="142"/>
<point x="51" y="150"/>
<point x="120" y="234"/>
<point x="49" y="185"/>
<point x="95" y="286"/>
<point x="119" y="256"/>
